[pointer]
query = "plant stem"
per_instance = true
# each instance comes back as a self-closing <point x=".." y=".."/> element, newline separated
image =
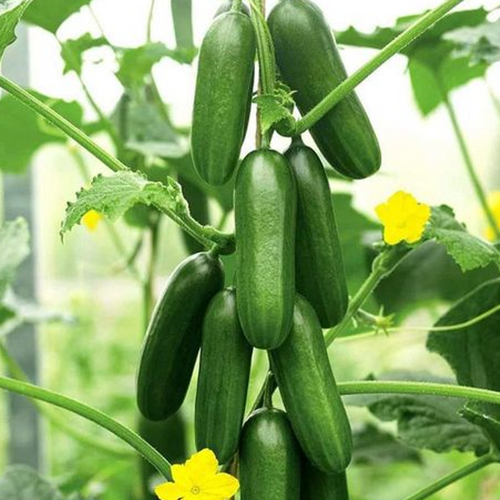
<point x="391" y="49"/>
<point x="236" y="5"/>
<point x="419" y="389"/>
<point x="383" y="265"/>
<point x="149" y="29"/>
<point x="451" y="478"/>
<point x="106" y="422"/>
<point x="476" y="183"/>
<point x="61" y="123"/>
<point x="148" y="288"/>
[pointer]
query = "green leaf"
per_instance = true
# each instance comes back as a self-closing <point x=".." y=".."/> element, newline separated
<point x="14" y="248"/>
<point x="25" y="132"/>
<point x="72" y="51"/>
<point x="468" y="251"/>
<point x="375" y="447"/>
<point x="23" y="483"/>
<point x="10" y="14"/>
<point x="275" y="108"/>
<point x="486" y="416"/>
<point x="425" y="422"/>
<point x="113" y="196"/>
<point x="51" y="14"/>
<point x="480" y="44"/>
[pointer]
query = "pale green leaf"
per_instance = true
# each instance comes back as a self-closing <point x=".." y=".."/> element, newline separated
<point x="23" y="483"/>
<point x="10" y="14"/>
<point x="73" y="51"/>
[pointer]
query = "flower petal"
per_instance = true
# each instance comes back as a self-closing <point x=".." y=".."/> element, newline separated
<point x="220" y="486"/>
<point x="182" y="476"/>
<point x="170" y="491"/>
<point x="202" y="464"/>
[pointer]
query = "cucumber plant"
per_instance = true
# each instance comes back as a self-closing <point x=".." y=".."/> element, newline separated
<point x="279" y="283"/>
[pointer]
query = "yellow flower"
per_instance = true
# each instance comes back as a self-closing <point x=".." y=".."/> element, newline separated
<point x="91" y="220"/>
<point x="494" y="203"/>
<point x="403" y="218"/>
<point x="198" y="479"/>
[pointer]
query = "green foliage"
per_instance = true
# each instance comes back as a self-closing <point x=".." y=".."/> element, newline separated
<point x="72" y="51"/>
<point x="183" y="26"/>
<point x="51" y="14"/>
<point x="25" y="132"/>
<point x="10" y="13"/>
<point x="275" y="109"/>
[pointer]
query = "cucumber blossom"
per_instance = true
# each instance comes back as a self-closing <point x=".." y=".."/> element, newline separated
<point x="223" y="96"/>
<point x="174" y="336"/>
<point x="265" y="211"/>
<point x="269" y="458"/>
<point x="319" y="268"/>
<point x="309" y="392"/>
<point x="310" y="63"/>
<point x="223" y="378"/>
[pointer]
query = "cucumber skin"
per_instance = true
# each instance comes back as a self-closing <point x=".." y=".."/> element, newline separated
<point x="269" y="458"/>
<point x="316" y="485"/>
<point x="223" y="378"/>
<point x="310" y="64"/>
<point x="174" y="336"/>
<point x="265" y="212"/>
<point x="309" y="392"/>
<point x="223" y="95"/>
<point x="319" y="267"/>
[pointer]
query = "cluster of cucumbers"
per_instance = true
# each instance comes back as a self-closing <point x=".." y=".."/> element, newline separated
<point x="289" y="282"/>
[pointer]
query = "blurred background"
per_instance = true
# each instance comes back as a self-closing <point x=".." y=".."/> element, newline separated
<point x="93" y="357"/>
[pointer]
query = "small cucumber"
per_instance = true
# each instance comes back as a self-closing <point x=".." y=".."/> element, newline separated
<point x="316" y="485"/>
<point x="319" y="268"/>
<point x="223" y="378"/>
<point x="310" y="64"/>
<point x="174" y="336"/>
<point x="265" y="210"/>
<point x="307" y="386"/>
<point x="269" y="458"/>
<point x="223" y="94"/>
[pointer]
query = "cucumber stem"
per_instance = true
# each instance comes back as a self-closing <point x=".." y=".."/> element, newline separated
<point x="236" y="5"/>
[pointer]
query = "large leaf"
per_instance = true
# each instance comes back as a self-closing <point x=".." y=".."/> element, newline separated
<point x="10" y="14"/>
<point x="23" y="483"/>
<point x="25" y="132"/>
<point x="50" y="14"/>
<point x="14" y="248"/>
<point x="486" y="416"/>
<point x="73" y="51"/>
<point x="426" y="422"/>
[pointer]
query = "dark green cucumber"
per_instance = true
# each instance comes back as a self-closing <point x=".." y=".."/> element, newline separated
<point x="319" y="268"/>
<point x="174" y="336"/>
<point x="265" y="209"/>
<point x="316" y="485"/>
<point x="169" y="438"/>
<point x="223" y="93"/>
<point x="269" y="458"/>
<point x="310" y="64"/>
<point x="223" y="378"/>
<point x="307" y="386"/>
<point x="198" y="206"/>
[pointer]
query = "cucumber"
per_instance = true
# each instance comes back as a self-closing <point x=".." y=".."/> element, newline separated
<point x="174" y="336"/>
<point x="169" y="438"/>
<point x="223" y="378"/>
<point x="223" y="95"/>
<point x="316" y="485"/>
<point x="310" y="64"/>
<point x="269" y="458"/>
<point x="198" y="206"/>
<point x="309" y="392"/>
<point x="319" y="267"/>
<point x="265" y="210"/>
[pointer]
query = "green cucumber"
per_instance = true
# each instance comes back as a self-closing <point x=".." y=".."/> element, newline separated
<point x="307" y="386"/>
<point x="174" y="336"/>
<point x="319" y="268"/>
<point x="265" y="209"/>
<point x="223" y="95"/>
<point x="316" y="485"/>
<point x="310" y="64"/>
<point x="269" y="458"/>
<point x="198" y="207"/>
<point x="223" y="378"/>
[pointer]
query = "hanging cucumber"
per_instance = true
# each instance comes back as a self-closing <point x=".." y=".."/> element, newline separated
<point x="223" y="378"/>
<point x="316" y="485"/>
<point x="269" y="458"/>
<point x="265" y="209"/>
<point x="319" y="268"/>
<point x="223" y="95"/>
<point x="310" y="64"/>
<point x="307" y="386"/>
<point x="174" y="336"/>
